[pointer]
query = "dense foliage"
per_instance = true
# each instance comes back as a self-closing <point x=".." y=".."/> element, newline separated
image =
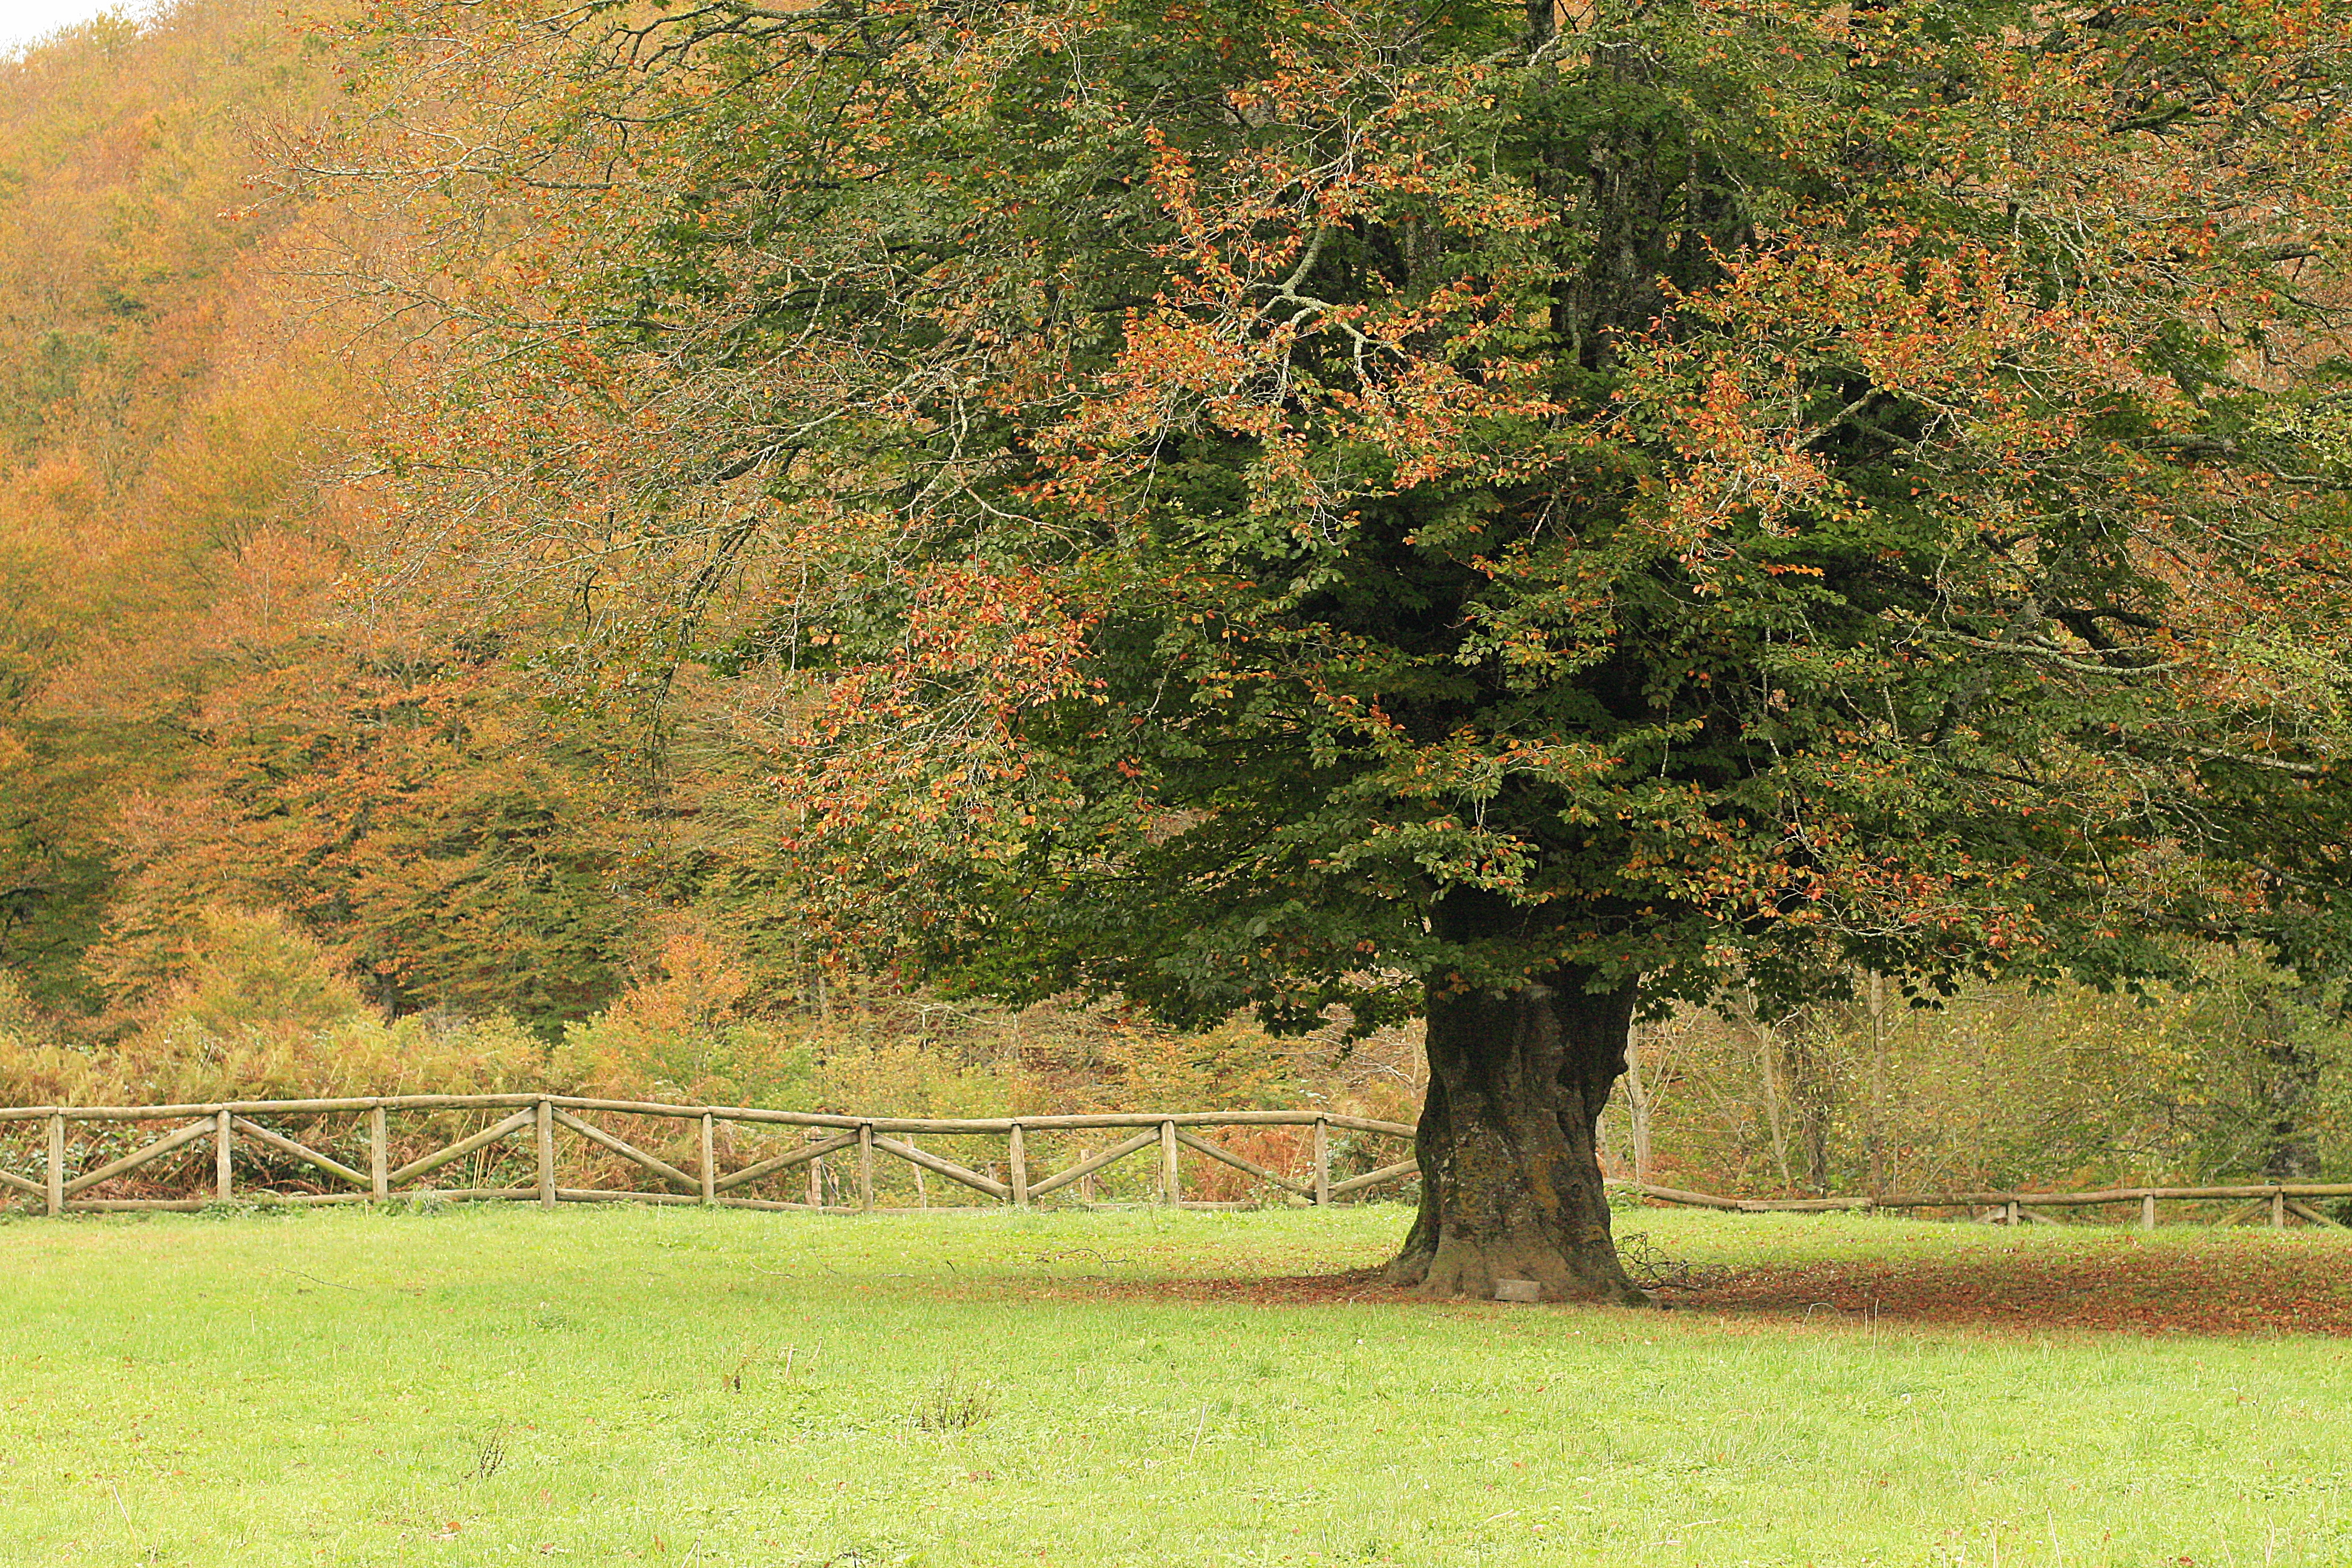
<point x="1754" y="484"/>
<point x="192" y="712"/>
<point x="1170" y="502"/>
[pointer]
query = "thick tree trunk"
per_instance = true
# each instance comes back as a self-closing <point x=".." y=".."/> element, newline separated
<point x="1510" y="1177"/>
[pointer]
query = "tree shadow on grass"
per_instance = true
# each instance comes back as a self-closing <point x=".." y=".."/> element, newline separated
<point x="2220" y="1287"/>
<point x="2232" y="1286"/>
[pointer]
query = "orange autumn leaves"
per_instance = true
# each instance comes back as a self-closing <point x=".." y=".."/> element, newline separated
<point x="1183" y="487"/>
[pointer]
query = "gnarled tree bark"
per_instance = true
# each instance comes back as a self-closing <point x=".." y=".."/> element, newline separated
<point x="1510" y="1172"/>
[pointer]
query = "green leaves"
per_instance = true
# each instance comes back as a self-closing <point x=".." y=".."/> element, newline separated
<point x="1730" y="481"/>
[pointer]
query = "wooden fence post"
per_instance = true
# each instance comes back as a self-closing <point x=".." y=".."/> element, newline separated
<point x="546" y="1153"/>
<point x="539" y="1113"/>
<point x="865" y="1167"/>
<point x="56" y="1165"/>
<point x="709" y="1165"/>
<point x="378" y="1157"/>
<point x="1019" y="1188"/>
<point x="1172" y="1190"/>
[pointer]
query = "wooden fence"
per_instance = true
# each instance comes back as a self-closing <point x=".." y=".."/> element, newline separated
<point x="542" y="1118"/>
<point x="67" y="1184"/>
<point x="2281" y="1199"/>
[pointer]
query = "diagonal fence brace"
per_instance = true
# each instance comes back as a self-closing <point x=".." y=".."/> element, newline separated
<point x="627" y="1151"/>
<point x="948" y="1168"/>
<point x="1217" y="1152"/>
<point x="1374" y="1178"/>
<point x="459" y="1150"/>
<point x="137" y="1157"/>
<point x="799" y="1156"/>
<point x="1087" y="1167"/>
<point x="285" y="1145"/>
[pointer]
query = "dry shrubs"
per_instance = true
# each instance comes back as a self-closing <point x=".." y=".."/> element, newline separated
<point x="262" y="1012"/>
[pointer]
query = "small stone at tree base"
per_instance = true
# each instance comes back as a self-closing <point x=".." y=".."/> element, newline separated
<point x="1519" y="1290"/>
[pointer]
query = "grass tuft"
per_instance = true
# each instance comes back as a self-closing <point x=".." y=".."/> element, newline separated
<point x="490" y="1456"/>
<point x="954" y="1404"/>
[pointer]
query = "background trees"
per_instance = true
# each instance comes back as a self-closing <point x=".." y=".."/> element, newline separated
<point x="194" y="712"/>
<point x="2246" y="1074"/>
<point x="1258" y="508"/>
<point x="160" y="429"/>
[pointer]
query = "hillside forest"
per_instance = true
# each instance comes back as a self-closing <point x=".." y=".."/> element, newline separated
<point x="304" y="791"/>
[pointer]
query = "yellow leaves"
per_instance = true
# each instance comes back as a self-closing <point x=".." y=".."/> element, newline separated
<point x="63" y="484"/>
<point x="696" y="983"/>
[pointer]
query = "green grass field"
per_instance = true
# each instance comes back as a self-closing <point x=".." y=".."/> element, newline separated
<point x="488" y="1385"/>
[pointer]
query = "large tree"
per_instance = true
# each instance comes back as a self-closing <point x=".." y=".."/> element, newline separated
<point x="1509" y="513"/>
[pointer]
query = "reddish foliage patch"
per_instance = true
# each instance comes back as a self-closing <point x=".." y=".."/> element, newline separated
<point x="2216" y="1290"/>
<point x="1357" y="1286"/>
<point x="2224" y="1288"/>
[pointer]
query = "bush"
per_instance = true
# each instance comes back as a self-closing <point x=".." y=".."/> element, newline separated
<point x="256" y="1009"/>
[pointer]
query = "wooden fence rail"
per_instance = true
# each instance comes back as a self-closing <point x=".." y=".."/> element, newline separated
<point x="543" y="1116"/>
<point x="2282" y="1198"/>
<point x="1166" y="1134"/>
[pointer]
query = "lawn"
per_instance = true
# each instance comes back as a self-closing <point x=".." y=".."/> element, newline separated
<point x="601" y="1385"/>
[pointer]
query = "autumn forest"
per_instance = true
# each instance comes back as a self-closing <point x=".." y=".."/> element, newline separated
<point x="793" y="556"/>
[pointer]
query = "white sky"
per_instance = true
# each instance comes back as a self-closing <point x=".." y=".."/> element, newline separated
<point x="22" y="21"/>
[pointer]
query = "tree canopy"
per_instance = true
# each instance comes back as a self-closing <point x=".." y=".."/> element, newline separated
<point x="1721" y="479"/>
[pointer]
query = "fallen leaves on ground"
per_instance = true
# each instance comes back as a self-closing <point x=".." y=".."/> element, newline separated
<point x="2228" y="1287"/>
<point x="2224" y="1287"/>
